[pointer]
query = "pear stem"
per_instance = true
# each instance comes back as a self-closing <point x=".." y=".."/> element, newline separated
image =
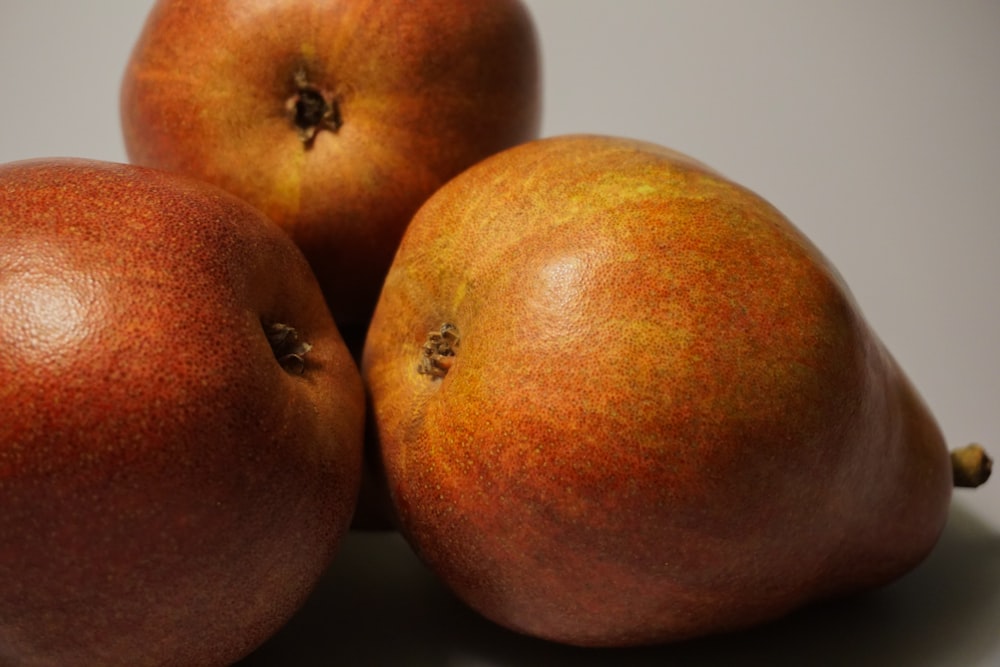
<point x="438" y="353"/>
<point x="970" y="466"/>
<point x="312" y="109"/>
<point x="288" y="348"/>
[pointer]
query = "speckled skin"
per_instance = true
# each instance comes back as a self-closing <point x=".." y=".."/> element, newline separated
<point x="168" y="492"/>
<point x="425" y="88"/>
<point x="665" y="416"/>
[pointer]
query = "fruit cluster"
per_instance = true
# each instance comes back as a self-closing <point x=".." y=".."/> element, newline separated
<point x="607" y="395"/>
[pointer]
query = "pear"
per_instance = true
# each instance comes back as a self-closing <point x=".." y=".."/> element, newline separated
<point x="180" y="420"/>
<point x="336" y="118"/>
<point x="621" y="399"/>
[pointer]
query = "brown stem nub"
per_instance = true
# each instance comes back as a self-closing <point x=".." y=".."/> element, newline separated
<point x="438" y="353"/>
<point x="288" y="349"/>
<point x="970" y="466"/>
<point x="312" y="109"/>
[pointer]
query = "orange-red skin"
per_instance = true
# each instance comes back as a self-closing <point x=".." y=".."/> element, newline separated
<point x="169" y="494"/>
<point x="425" y="89"/>
<point x="666" y="417"/>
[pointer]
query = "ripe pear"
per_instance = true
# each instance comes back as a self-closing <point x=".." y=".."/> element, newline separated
<point x="622" y="400"/>
<point x="336" y="118"/>
<point x="180" y="441"/>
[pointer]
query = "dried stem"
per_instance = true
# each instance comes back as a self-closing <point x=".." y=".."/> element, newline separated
<point x="288" y="348"/>
<point x="970" y="466"/>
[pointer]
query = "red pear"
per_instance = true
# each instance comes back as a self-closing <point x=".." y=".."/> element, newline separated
<point x="180" y="446"/>
<point x="337" y="118"/>
<point x="623" y="400"/>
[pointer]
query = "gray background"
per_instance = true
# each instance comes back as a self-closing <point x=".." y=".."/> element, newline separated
<point x="874" y="126"/>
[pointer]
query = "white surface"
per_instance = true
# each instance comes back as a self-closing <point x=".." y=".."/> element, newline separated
<point x="875" y="126"/>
